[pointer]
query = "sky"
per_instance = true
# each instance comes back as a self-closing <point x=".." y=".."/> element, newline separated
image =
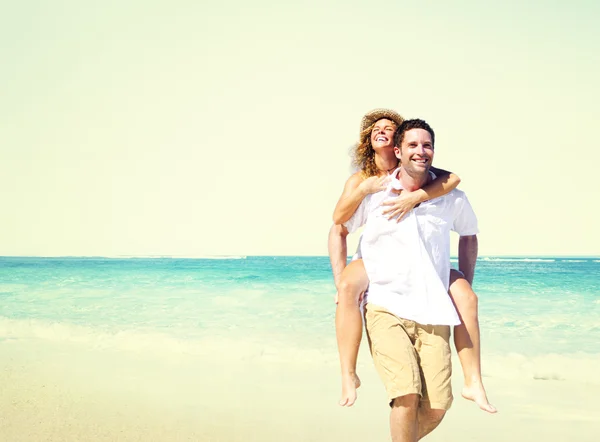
<point x="195" y="128"/>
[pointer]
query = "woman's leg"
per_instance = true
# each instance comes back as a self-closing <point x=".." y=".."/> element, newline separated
<point x="466" y="340"/>
<point x="348" y="326"/>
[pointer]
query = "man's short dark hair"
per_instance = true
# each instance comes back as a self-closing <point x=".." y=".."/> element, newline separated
<point x="412" y="124"/>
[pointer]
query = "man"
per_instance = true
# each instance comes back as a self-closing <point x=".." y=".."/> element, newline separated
<point x="408" y="312"/>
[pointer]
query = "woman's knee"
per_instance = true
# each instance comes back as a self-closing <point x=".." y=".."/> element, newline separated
<point x="350" y="289"/>
<point x="354" y="279"/>
<point x="463" y="295"/>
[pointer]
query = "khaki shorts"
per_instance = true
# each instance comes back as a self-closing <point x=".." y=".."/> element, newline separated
<point x="411" y="358"/>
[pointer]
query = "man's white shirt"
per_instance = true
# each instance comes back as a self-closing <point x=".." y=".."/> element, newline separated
<point x="408" y="262"/>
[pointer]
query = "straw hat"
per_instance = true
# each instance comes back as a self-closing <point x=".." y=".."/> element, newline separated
<point x="377" y="114"/>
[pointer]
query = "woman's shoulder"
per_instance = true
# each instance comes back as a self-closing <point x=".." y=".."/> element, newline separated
<point x="357" y="177"/>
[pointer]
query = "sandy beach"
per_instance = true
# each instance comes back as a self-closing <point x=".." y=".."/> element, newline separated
<point x="70" y="392"/>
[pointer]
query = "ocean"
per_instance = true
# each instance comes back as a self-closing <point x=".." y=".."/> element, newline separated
<point x="539" y="316"/>
<point x="242" y="348"/>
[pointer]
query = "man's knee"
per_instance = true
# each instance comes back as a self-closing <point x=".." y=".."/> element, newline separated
<point x="428" y="420"/>
<point x="431" y="415"/>
<point x="408" y="401"/>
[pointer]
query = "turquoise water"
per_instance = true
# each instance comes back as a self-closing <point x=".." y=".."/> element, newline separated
<point x="529" y="307"/>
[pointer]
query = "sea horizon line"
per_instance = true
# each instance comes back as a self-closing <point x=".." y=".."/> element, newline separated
<point x="242" y="256"/>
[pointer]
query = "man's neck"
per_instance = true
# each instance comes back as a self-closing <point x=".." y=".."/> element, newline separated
<point x="386" y="161"/>
<point x="412" y="182"/>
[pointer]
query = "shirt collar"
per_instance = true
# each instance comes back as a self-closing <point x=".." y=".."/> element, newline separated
<point x="397" y="185"/>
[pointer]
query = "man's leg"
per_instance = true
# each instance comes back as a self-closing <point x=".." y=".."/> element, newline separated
<point x="433" y="348"/>
<point x="403" y="418"/>
<point x="467" y="340"/>
<point x="348" y="326"/>
<point x="391" y="340"/>
<point x="428" y="419"/>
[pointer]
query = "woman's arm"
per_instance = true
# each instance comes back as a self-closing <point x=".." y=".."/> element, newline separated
<point x="443" y="184"/>
<point x="355" y="190"/>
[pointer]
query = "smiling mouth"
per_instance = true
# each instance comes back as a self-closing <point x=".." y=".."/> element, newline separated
<point x="422" y="161"/>
<point x="381" y="139"/>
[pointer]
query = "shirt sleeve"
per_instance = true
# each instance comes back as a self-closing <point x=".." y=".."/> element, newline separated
<point x="465" y="220"/>
<point x="359" y="218"/>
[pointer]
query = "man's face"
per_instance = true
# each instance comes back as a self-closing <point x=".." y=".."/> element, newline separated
<point x="382" y="135"/>
<point x="415" y="151"/>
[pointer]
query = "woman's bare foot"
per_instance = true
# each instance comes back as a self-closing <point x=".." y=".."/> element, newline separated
<point x="350" y="382"/>
<point x="476" y="393"/>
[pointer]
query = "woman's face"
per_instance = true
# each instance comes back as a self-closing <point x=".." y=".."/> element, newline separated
<point x="382" y="135"/>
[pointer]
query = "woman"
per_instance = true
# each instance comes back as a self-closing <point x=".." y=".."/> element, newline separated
<point x="374" y="157"/>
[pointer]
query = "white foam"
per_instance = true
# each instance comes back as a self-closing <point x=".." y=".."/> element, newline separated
<point x="177" y="257"/>
<point x="192" y="256"/>
<point x="64" y="332"/>
<point x="6" y="288"/>
<point x="149" y="342"/>
<point x="487" y="258"/>
<point x="575" y="367"/>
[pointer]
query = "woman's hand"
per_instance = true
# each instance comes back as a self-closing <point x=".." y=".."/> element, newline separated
<point x="398" y="207"/>
<point x="374" y="184"/>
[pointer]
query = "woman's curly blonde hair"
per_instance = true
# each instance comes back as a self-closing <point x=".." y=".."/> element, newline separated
<point x="363" y="155"/>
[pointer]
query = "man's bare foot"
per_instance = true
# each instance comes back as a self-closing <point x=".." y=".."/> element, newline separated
<point x="350" y="382"/>
<point x="476" y="393"/>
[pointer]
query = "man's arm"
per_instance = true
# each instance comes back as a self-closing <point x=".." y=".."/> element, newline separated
<point x="338" y="250"/>
<point x="443" y="184"/>
<point x="467" y="256"/>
